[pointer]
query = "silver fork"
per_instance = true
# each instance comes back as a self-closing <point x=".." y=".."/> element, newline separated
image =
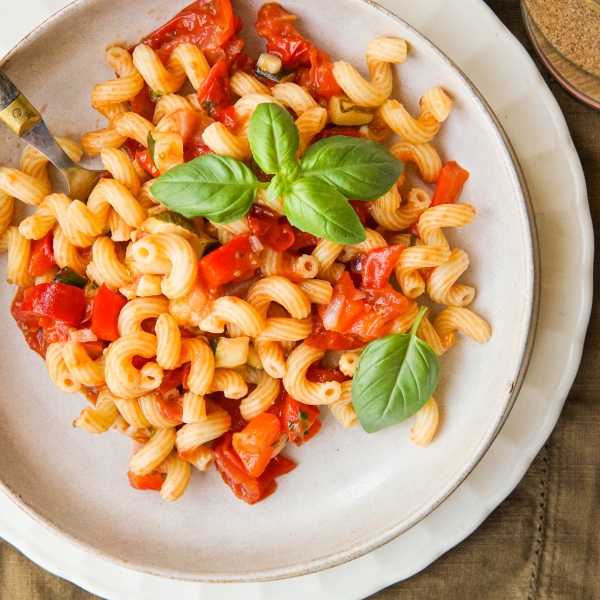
<point x="24" y="120"/>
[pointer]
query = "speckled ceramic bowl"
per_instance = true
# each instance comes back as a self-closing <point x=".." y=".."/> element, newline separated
<point x="351" y="492"/>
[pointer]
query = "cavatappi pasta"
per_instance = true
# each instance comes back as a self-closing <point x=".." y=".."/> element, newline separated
<point x="191" y="336"/>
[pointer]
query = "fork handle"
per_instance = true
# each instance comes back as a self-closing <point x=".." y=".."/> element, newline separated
<point x="15" y="110"/>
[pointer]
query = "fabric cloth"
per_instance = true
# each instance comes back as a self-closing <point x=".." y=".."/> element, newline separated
<point x="543" y="542"/>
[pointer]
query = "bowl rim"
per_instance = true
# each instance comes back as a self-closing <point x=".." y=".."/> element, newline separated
<point x="530" y="322"/>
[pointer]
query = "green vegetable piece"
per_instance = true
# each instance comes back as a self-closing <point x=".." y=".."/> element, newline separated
<point x="318" y="208"/>
<point x="219" y="188"/>
<point x="202" y="244"/>
<point x="273" y="138"/>
<point x="358" y="168"/>
<point x="395" y="377"/>
<point x="284" y="74"/>
<point x="174" y="218"/>
<point x="69" y="277"/>
<point x="151" y="145"/>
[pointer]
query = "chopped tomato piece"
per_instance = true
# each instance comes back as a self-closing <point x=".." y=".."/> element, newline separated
<point x="145" y="161"/>
<point x="285" y="41"/>
<point x="142" y="104"/>
<point x="318" y="374"/>
<point x="207" y="24"/>
<point x="254" y="443"/>
<point x="303" y="240"/>
<point x="414" y="229"/>
<point x="152" y="481"/>
<point x="42" y="256"/>
<point x="329" y="340"/>
<point x="346" y="305"/>
<point x="233" y="261"/>
<point x="297" y="417"/>
<point x="314" y="429"/>
<point x="361" y="209"/>
<point x="386" y="304"/>
<point x="131" y="147"/>
<point x="232" y="470"/>
<point x="227" y="117"/>
<point x="233" y="408"/>
<point x="272" y="230"/>
<point x="105" y="313"/>
<point x="279" y="465"/>
<point x="449" y="184"/>
<point x="427" y="274"/>
<point x="171" y="409"/>
<point x="378" y="265"/>
<point x="215" y="93"/>
<point x="56" y="300"/>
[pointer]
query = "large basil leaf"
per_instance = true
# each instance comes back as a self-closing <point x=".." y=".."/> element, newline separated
<point x="274" y="139"/>
<point x="318" y="208"/>
<point x="359" y="169"/>
<point x="395" y="377"/>
<point x="219" y="188"/>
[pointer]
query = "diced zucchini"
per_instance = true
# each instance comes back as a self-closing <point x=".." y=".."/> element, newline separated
<point x="203" y="244"/>
<point x="170" y="222"/>
<point x="342" y="111"/>
<point x="166" y="149"/>
<point x="284" y="75"/>
<point x="269" y="63"/>
<point x="231" y="352"/>
<point x="69" y="277"/>
<point x="253" y="359"/>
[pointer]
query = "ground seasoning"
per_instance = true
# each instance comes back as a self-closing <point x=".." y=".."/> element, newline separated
<point x="572" y="27"/>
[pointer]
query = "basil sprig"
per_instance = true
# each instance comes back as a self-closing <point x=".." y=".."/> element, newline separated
<point x="314" y="191"/>
<point x="395" y="377"/>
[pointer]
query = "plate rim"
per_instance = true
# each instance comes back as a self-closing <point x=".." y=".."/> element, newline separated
<point x="530" y="320"/>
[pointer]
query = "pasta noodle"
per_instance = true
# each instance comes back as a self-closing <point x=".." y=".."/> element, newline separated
<point x="426" y="424"/>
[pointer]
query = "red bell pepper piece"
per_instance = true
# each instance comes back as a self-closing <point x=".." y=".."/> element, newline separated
<point x="279" y="465"/>
<point x="244" y="486"/>
<point x="345" y="307"/>
<point x="303" y="240"/>
<point x="378" y="264"/>
<point x="215" y="94"/>
<point x="105" y="313"/>
<point x="313" y="430"/>
<point x="297" y="417"/>
<point x="56" y="300"/>
<point x="254" y="443"/>
<point x="362" y="210"/>
<point x="142" y="103"/>
<point x="173" y="409"/>
<point x="324" y="339"/>
<point x="42" y="256"/>
<point x="227" y="117"/>
<point x="233" y="261"/>
<point x="152" y="481"/>
<point x="449" y="184"/>
<point x="318" y="374"/>
<point x="271" y="229"/>
<point x="386" y="304"/>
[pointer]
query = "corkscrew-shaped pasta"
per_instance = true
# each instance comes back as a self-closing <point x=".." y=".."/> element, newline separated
<point x="23" y="187"/>
<point x="435" y="108"/>
<point x="57" y="369"/>
<point x="230" y="309"/>
<point x="441" y="285"/>
<point x="374" y="240"/>
<point x="150" y="407"/>
<point x="130" y="410"/>
<point x="202" y="364"/>
<point x="106" y="267"/>
<point x="426" y="424"/>
<point x="282" y="291"/>
<point x="178" y="476"/>
<point x="293" y="267"/>
<point x="434" y="219"/>
<point x="405" y="321"/>
<point x="169" y="103"/>
<point x="348" y="363"/>
<point x="229" y="382"/>
<point x="299" y="387"/>
<point x="391" y="214"/>
<point x="342" y="409"/>
<point x="135" y="312"/>
<point x="168" y="347"/>
<point x="194" y="408"/>
<point x="111" y="193"/>
<point x="423" y="155"/>
<point x="147" y="458"/>
<point x="412" y="259"/>
<point x="186" y="61"/>
<point x="309" y="123"/>
<point x="100" y="418"/>
<point x="285" y="330"/>
<point x="192" y="435"/>
<point x="429" y="335"/>
<point x="463" y="319"/>
<point x="19" y="250"/>
<point x="120" y="167"/>
<point x="122" y="378"/>
<point x="327" y="253"/>
<point x="201" y="457"/>
<point x="262" y="397"/>
<point x="381" y="54"/>
<point x="67" y="255"/>
<point x="150" y="253"/>
<point x="317" y="290"/>
<point x="294" y="96"/>
<point x="243" y="84"/>
<point x="81" y="367"/>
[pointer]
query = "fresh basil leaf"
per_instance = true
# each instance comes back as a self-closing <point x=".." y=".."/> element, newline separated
<point x="318" y="208"/>
<point x="396" y="375"/>
<point x="219" y="188"/>
<point x="273" y="138"/>
<point x="277" y="188"/>
<point x="358" y="168"/>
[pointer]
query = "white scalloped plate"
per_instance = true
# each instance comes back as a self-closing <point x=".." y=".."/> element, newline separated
<point x="504" y="73"/>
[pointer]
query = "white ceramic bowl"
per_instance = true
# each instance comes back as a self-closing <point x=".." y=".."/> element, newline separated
<point x="351" y="492"/>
